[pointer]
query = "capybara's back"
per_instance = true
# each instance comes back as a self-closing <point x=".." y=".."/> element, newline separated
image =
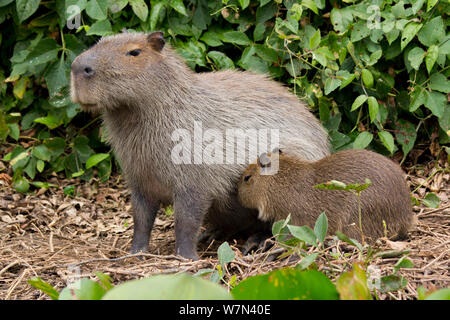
<point x="385" y="204"/>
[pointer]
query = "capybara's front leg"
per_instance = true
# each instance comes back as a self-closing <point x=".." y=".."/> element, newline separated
<point x="189" y="209"/>
<point x="144" y="213"/>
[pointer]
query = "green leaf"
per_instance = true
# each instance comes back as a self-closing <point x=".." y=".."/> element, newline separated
<point x="211" y="39"/>
<point x="442" y="294"/>
<point x="314" y="41"/>
<point x="340" y="18"/>
<point x="346" y="78"/>
<point x="45" y="185"/>
<point x="286" y="284"/>
<point x="45" y="287"/>
<point x="266" y="53"/>
<point x="431" y="57"/>
<point x="244" y="3"/>
<point x="14" y="131"/>
<point x="40" y="165"/>
<point x="97" y="9"/>
<point x="431" y="4"/>
<point x="56" y="76"/>
<point x="392" y="283"/>
<point x="387" y="140"/>
<point x="41" y="152"/>
<point x="352" y="285"/>
<point x="310" y="4"/>
<point x="331" y="84"/>
<point x="405" y="135"/>
<point x="403" y="263"/>
<point x="140" y="9"/>
<point x="21" y="184"/>
<point x="221" y="60"/>
<point x="362" y="140"/>
<point x="306" y="261"/>
<point x="45" y="51"/>
<point x="431" y="200"/>
<point x="264" y="13"/>
<point x="439" y="82"/>
<point x="25" y="8"/>
<point x="409" y="32"/>
<point x="50" y="121"/>
<point x="367" y="78"/>
<point x="418" y="98"/>
<point x="100" y="28"/>
<point x="436" y="102"/>
<point x="82" y="148"/>
<point x="358" y="102"/>
<point x="178" y="6"/>
<point x="95" y="159"/>
<point x="303" y="233"/>
<point x="225" y="254"/>
<point x="415" y="57"/>
<point x="373" y="108"/>
<point x="156" y="9"/>
<point x="168" y="287"/>
<point x="84" y="289"/>
<point x="321" y="227"/>
<point x="117" y="5"/>
<point x="433" y="32"/>
<point x="360" y="31"/>
<point x="236" y="37"/>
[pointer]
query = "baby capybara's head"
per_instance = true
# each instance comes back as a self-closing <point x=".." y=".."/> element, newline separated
<point x="256" y="178"/>
<point x="114" y="71"/>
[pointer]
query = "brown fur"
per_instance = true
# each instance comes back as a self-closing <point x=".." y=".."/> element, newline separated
<point x="291" y="191"/>
<point x="144" y="98"/>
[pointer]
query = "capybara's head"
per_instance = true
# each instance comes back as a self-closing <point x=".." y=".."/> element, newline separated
<point x="114" y="71"/>
<point x="255" y="180"/>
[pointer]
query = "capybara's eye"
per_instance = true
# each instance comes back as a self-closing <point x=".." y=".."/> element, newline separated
<point x="134" y="52"/>
<point x="246" y="178"/>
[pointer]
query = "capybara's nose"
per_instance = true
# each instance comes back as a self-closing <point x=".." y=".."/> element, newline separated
<point x="79" y="67"/>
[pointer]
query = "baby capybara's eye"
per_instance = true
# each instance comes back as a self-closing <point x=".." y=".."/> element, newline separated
<point x="134" y="52"/>
<point x="246" y="178"/>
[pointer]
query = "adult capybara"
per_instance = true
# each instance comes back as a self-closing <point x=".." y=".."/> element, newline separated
<point x="154" y="106"/>
<point x="290" y="190"/>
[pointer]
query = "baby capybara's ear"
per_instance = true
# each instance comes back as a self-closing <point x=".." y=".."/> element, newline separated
<point x="156" y="40"/>
<point x="264" y="160"/>
<point x="277" y="150"/>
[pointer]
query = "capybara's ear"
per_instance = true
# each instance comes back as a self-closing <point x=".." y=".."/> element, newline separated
<point x="277" y="150"/>
<point x="156" y="40"/>
<point x="264" y="160"/>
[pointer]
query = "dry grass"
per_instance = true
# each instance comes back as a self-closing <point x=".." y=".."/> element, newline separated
<point x="59" y="238"/>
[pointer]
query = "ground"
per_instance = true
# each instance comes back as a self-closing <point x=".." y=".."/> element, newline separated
<point x="60" y="238"/>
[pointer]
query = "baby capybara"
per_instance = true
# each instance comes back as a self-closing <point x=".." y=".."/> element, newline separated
<point x="291" y="190"/>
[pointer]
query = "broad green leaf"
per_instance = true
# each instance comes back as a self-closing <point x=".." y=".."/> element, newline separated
<point x="367" y="78"/>
<point x="211" y="39"/>
<point x="331" y="84"/>
<point x="358" y="102"/>
<point x="286" y="284"/>
<point x="264" y="13"/>
<point x="362" y="140"/>
<point x="178" y="6"/>
<point x="306" y="261"/>
<point x="84" y="289"/>
<point x="95" y="159"/>
<point x="352" y="285"/>
<point x="236" y="37"/>
<point x="436" y="102"/>
<point x="5" y="2"/>
<point x="346" y="78"/>
<point x="295" y="12"/>
<point x="140" y="8"/>
<point x="431" y="200"/>
<point x="303" y="233"/>
<point x="387" y="140"/>
<point x="155" y="11"/>
<point x="221" y="60"/>
<point x="117" y="5"/>
<point x="20" y="87"/>
<point x="168" y="287"/>
<point x="418" y="98"/>
<point x="373" y="108"/>
<point x="409" y="32"/>
<point x="40" y="165"/>
<point x="14" y="131"/>
<point x="442" y="294"/>
<point x="431" y="57"/>
<point x="431" y="4"/>
<point x="321" y="227"/>
<point x="56" y="76"/>
<point x="45" y="287"/>
<point x="310" y="4"/>
<point x="82" y="148"/>
<point x="21" y="184"/>
<point x="266" y="53"/>
<point x="225" y="254"/>
<point x="100" y="28"/>
<point x="244" y="3"/>
<point x="340" y="18"/>
<point x="50" y="121"/>
<point x="360" y="31"/>
<point x="45" y="185"/>
<point x="415" y="57"/>
<point x="41" y="152"/>
<point x="97" y="9"/>
<point x="439" y="82"/>
<point x="25" y="8"/>
<point x="433" y="32"/>
<point x="314" y="41"/>
<point x="45" y="51"/>
<point x="392" y="283"/>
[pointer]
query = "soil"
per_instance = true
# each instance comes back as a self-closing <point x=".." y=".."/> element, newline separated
<point x="60" y="238"/>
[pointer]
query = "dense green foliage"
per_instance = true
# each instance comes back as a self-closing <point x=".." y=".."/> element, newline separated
<point x="375" y="72"/>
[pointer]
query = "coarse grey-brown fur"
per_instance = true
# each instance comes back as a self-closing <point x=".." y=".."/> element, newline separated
<point x="385" y="204"/>
<point x="145" y="98"/>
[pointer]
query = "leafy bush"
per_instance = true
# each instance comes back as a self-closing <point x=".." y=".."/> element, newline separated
<point x="374" y="71"/>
